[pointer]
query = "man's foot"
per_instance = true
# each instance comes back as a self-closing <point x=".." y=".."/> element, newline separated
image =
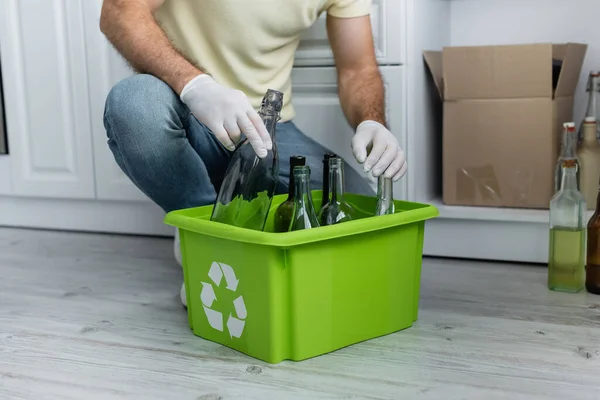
<point x="182" y="295"/>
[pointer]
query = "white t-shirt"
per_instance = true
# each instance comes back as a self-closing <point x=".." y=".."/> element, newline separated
<point x="249" y="44"/>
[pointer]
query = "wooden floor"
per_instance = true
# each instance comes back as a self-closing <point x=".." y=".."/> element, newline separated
<point x="98" y="317"/>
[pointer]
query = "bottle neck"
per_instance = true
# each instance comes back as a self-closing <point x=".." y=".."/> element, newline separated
<point x="270" y="121"/>
<point x="336" y="181"/>
<point x="569" y="178"/>
<point x="302" y="196"/>
<point x="589" y="132"/>
<point x="569" y="144"/>
<point x="385" y="188"/>
<point x="591" y="111"/>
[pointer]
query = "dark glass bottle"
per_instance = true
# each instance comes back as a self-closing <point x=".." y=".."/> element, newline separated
<point x="283" y="214"/>
<point x="592" y="268"/>
<point x="247" y="190"/>
<point x="326" y="158"/>
<point x="304" y="216"/>
<point x="336" y="210"/>
<point x="385" y="196"/>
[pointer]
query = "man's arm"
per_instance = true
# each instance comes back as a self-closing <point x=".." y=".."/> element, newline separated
<point x="362" y="96"/>
<point x="360" y="84"/>
<point x="130" y="26"/>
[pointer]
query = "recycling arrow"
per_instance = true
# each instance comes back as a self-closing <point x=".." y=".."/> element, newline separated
<point x="232" y="281"/>
<point x="235" y="326"/>
<point x="215" y="273"/>
<point x="207" y="295"/>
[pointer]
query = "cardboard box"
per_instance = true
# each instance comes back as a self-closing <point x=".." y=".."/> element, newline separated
<point x="503" y="110"/>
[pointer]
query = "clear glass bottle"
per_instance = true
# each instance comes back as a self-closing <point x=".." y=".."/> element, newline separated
<point x="589" y="161"/>
<point x="567" y="249"/>
<point x="593" y="87"/>
<point x="283" y="214"/>
<point x="385" y="196"/>
<point x="304" y="216"/>
<point x="568" y="151"/>
<point x="249" y="183"/>
<point x="326" y="158"/>
<point x="336" y="210"/>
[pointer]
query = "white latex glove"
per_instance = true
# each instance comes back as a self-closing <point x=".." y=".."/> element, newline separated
<point x="375" y="146"/>
<point x="227" y="113"/>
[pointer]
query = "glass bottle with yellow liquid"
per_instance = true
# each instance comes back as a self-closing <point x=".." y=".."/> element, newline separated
<point x="567" y="250"/>
<point x="589" y="161"/>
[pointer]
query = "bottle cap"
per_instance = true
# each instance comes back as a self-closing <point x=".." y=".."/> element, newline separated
<point x="569" y="126"/>
<point x="297" y="160"/>
<point x="590" y="120"/>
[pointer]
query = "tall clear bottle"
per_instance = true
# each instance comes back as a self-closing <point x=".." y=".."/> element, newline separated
<point x="567" y="249"/>
<point x="385" y="196"/>
<point x="593" y="87"/>
<point x="337" y="210"/>
<point x="247" y="189"/>
<point x="326" y="159"/>
<point x="304" y="216"/>
<point x="283" y="214"/>
<point x="589" y="161"/>
<point x="568" y="151"/>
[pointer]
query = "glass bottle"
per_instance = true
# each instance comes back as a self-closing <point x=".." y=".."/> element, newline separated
<point x="304" y="216"/>
<point x="566" y="259"/>
<point x="326" y="158"/>
<point x="336" y="210"/>
<point x="592" y="268"/>
<point x="385" y="196"/>
<point x="593" y="87"/>
<point x="249" y="183"/>
<point x="283" y="214"/>
<point x="589" y="161"/>
<point x="568" y="151"/>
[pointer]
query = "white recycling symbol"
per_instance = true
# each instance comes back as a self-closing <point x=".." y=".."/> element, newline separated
<point x="235" y="324"/>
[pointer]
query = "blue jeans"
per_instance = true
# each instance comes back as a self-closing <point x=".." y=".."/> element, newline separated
<point x="175" y="160"/>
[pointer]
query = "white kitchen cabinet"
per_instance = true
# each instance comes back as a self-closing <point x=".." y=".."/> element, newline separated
<point x="387" y="20"/>
<point x="320" y="116"/>
<point x="106" y="67"/>
<point x="46" y="98"/>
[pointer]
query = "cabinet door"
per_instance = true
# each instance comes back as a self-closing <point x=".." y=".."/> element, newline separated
<point x="387" y="19"/>
<point x="46" y="98"/>
<point x="320" y="116"/>
<point x="106" y="67"/>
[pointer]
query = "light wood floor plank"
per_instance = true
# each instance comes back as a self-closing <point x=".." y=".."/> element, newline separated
<point x="98" y="317"/>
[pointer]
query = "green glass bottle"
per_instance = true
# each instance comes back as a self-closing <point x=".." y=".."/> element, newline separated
<point x="567" y="249"/>
<point x="304" y="216"/>
<point x="336" y="210"/>
<point x="283" y="214"/>
<point x="385" y="196"/>
<point x="247" y="190"/>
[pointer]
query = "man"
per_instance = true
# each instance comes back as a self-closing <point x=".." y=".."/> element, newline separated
<point x="203" y="67"/>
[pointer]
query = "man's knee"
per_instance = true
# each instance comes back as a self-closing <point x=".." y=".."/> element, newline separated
<point x="138" y="100"/>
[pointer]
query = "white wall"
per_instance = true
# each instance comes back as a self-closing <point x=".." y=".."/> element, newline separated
<point x="485" y="22"/>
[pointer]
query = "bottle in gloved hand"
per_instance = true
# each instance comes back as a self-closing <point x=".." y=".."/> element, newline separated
<point x="385" y="196"/>
<point x="249" y="183"/>
<point x="304" y="216"/>
<point x="566" y="258"/>
<point x="283" y="214"/>
<point x="337" y="210"/>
